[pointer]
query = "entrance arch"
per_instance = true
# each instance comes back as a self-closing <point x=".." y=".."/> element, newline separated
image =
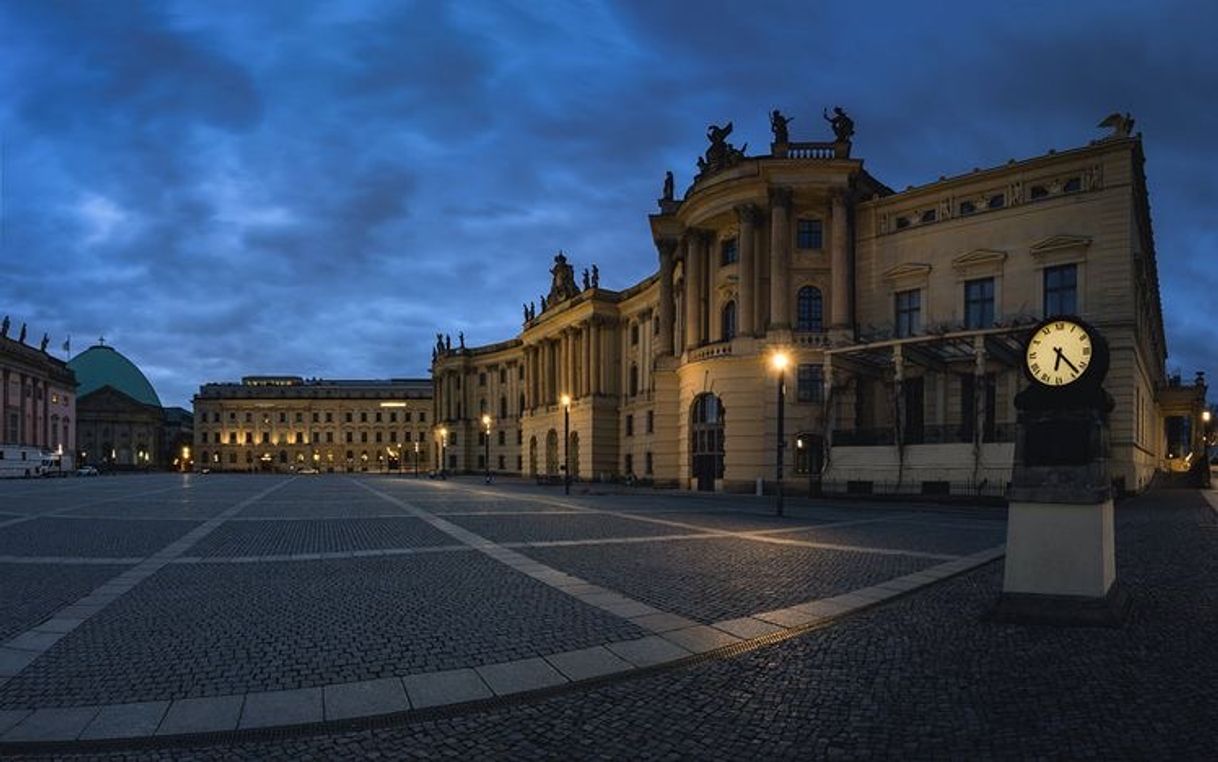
<point x="706" y="441"/>
<point x="552" y="453"/>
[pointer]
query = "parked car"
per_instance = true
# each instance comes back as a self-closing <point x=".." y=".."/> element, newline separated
<point x="87" y="471"/>
<point x="308" y="471"/>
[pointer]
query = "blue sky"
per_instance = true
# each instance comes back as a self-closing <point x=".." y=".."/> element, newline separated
<point x="230" y="188"/>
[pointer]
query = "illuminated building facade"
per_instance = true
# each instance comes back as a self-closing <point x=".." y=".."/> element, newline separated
<point x="902" y="315"/>
<point x="288" y="423"/>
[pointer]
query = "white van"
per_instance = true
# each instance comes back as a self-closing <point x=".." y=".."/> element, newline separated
<point x="17" y="461"/>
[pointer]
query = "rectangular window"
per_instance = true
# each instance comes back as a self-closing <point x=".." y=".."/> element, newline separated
<point x="1061" y="290"/>
<point x="350" y="436"/>
<point x="422" y="418"/>
<point x="648" y="463"/>
<point x="363" y="417"/>
<point x="300" y="417"/>
<point x="908" y="307"/>
<point x="502" y="437"/>
<point x="329" y="417"/>
<point x="481" y="379"/>
<point x="363" y="436"/>
<point x="379" y="417"/>
<point x="979" y="303"/>
<point x="630" y="425"/>
<point x="406" y="417"/>
<point x="810" y="234"/>
<point x="348" y="418"/>
<point x="393" y="416"/>
<point x="809" y="383"/>
<point x="329" y="437"/>
<point x="651" y="421"/>
<point x="728" y="253"/>
<point x="378" y="437"/>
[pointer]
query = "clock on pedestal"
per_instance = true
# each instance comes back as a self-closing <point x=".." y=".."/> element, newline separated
<point x="1060" y="566"/>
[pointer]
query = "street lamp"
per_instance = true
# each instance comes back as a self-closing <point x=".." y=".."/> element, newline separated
<point x="443" y="452"/>
<point x="566" y="442"/>
<point x="416" y="460"/>
<point x="486" y="446"/>
<point x="779" y="362"/>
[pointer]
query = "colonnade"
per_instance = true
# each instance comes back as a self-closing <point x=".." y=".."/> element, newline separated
<point x="31" y="389"/>
<point x="572" y="362"/>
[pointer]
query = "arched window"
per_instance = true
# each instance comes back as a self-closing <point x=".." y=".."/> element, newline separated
<point x="810" y="310"/>
<point x="503" y="407"/>
<point x="634" y="380"/>
<point x="729" y="321"/>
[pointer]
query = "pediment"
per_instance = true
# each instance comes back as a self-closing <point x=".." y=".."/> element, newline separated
<point x="907" y="270"/>
<point x="1059" y="242"/>
<point x="986" y="257"/>
<point x="109" y="399"/>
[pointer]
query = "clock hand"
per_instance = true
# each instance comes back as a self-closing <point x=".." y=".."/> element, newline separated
<point x="1058" y="363"/>
<point x="1066" y="360"/>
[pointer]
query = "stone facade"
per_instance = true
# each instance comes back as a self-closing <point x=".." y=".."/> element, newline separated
<point x="37" y="399"/>
<point x="287" y="423"/>
<point x="902" y="314"/>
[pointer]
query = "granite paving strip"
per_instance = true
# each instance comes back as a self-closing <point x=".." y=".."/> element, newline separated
<point x="18" y="652"/>
<point x="200" y="715"/>
<point x="519" y="676"/>
<point x="291" y="707"/>
<point x="125" y="721"/>
<point x="448" y="687"/>
<point x="365" y="698"/>
<point x="70" y="560"/>
<point x="326" y="556"/>
<point x="52" y="724"/>
<point x="587" y="663"/>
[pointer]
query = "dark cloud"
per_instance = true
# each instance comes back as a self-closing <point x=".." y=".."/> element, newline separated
<point x="230" y="188"/>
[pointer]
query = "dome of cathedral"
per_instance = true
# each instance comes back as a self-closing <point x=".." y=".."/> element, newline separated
<point x="103" y="365"/>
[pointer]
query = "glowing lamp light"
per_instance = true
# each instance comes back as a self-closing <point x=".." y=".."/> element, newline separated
<point x="486" y="420"/>
<point x="1205" y="416"/>
<point x="779" y="361"/>
<point x="565" y="400"/>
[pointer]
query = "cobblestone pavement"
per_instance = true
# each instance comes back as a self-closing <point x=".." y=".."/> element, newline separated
<point x="267" y="584"/>
<point x="30" y="593"/>
<point x="923" y="677"/>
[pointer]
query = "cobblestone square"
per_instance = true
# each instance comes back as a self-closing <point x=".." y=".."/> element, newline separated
<point x="156" y="605"/>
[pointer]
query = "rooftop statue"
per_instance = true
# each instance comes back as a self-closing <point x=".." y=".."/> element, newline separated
<point x="778" y="125"/>
<point x="1122" y="126"/>
<point x="843" y="126"/>
<point x="563" y="284"/>
<point x="461" y="339"/>
<point x="46" y="339"/>
<point x="4" y="326"/>
<point x="21" y="338"/>
<point x="439" y="343"/>
<point x="596" y="277"/>
<point x="668" y="190"/>
<point x="720" y="154"/>
<point x="587" y="283"/>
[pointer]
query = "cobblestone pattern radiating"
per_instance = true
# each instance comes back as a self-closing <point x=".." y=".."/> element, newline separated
<point x="712" y="580"/>
<point x="214" y="629"/>
<point x="106" y="538"/>
<point x="268" y="538"/>
<point x="30" y="593"/>
<point x="921" y="678"/>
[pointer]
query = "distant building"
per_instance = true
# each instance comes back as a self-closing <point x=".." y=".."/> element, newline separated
<point x="902" y="315"/>
<point x="37" y="397"/>
<point x="122" y="424"/>
<point x="286" y="423"/>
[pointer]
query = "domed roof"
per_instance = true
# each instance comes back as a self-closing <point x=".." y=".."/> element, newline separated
<point x="102" y="365"/>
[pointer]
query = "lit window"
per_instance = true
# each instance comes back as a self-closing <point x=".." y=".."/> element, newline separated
<point x="809" y="310"/>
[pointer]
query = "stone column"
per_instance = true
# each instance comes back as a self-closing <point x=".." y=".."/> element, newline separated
<point x="594" y="368"/>
<point x="747" y="214"/>
<point x="692" y="290"/>
<point x="585" y="341"/>
<point x="22" y="433"/>
<point x="668" y="249"/>
<point x="780" y="240"/>
<point x="841" y="298"/>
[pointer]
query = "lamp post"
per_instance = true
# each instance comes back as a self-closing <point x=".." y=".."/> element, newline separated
<point x="443" y="452"/>
<point x="566" y="443"/>
<point x="416" y="460"/>
<point x="486" y="445"/>
<point x="779" y="361"/>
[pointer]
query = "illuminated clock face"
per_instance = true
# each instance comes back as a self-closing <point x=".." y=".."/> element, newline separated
<point x="1058" y="353"/>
